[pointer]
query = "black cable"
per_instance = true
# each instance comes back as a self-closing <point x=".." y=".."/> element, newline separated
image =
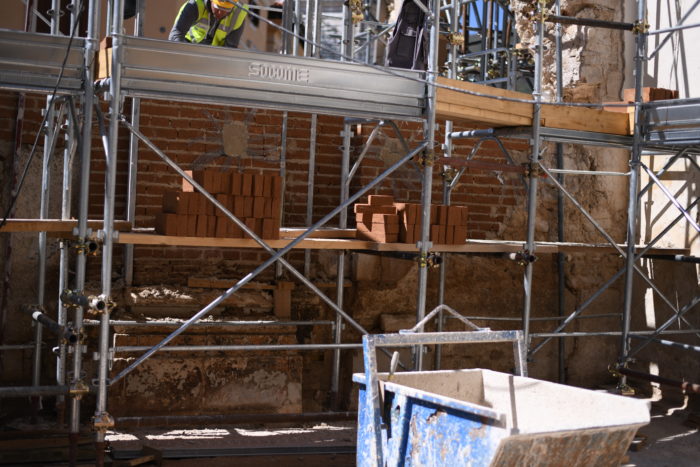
<point x="20" y="184"/>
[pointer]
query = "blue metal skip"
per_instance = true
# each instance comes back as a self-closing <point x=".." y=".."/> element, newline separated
<point x="482" y="417"/>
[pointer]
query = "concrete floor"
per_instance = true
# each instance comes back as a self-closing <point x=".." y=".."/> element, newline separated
<point x="669" y="440"/>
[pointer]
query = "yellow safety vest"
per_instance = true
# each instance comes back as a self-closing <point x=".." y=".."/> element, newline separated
<point x="199" y="30"/>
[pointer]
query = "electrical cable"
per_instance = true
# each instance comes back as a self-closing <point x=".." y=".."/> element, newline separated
<point x="16" y="191"/>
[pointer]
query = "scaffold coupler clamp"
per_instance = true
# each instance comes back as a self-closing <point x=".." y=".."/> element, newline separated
<point x="427" y="158"/>
<point x="640" y="27"/>
<point x="87" y="247"/>
<point x="433" y="260"/>
<point x="102" y="421"/>
<point x="449" y="173"/>
<point x="356" y="10"/>
<point x="533" y="170"/>
<point x="455" y="38"/>
<point x="523" y="258"/>
<point x="623" y="388"/>
<point x="102" y="304"/>
<point x="78" y="389"/>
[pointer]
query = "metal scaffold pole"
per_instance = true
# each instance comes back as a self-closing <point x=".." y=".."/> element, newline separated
<point x="343" y="223"/>
<point x="447" y="170"/>
<point x="133" y="161"/>
<point x="102" y="420"/>
<point x="561" y="259"/>
<point x="77" y="386"/>
<point x="428" y="161"/>
<point x="532" y="185"/>
<point x="632" y="208"/>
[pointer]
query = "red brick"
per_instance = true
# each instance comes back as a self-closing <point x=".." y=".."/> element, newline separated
<point x="226" y="201"/>
<point x="202" y="224"/>
<point x="175" y="202"/>
<point x="239" y="207"/>
<point x="454" y="215"/>
<point x="380" y="200"/>
<point x="236" y="183"/>
<point x="258" y="185"/>
<point x="259" y="207"/>
<point x="224" y="182"/>
<point x="211" y="226"/>
<point x="191" y="225"/>
<point x="442" y="212"/>
<point x="248" y="206"/>
<point x="268" y="228"/>
<point x="166" y="223"/>
<point x="450" y="234"/>
<point x="382" y="209"/>
<point x="267" y="186"/>
<point x="187" y="186"/>
<point x="250" y="223"/>
<point x="276" y="186"/>
<point x="460" y="234"/>
<point x="247" y="185"/>
<point x="181" y="225"/>
<point x="434" y="233"/>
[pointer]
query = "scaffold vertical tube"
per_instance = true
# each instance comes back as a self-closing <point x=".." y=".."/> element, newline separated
<point x="108" y="227"/>
<point x="133" y="162"/>
<point x="632" y="208"/>
<point x="532" y="186"/>
<point x="343" y="223"/>
<point x="426" y="195"/>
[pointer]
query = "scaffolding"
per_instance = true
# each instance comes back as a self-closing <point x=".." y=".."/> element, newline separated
<point x="62" y="67"/>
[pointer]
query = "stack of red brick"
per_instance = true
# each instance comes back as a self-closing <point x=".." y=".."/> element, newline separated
<point x="384" y="221"/>
<point x="377" y="221"/>
<point x="253" y="198"/>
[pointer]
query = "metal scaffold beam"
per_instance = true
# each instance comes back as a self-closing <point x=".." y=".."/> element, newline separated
<point x="354" y="86"/>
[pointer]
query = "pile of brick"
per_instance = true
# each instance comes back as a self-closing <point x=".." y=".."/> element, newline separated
<point x="377" y="221"/>
<point x="384" y="221"/>
<point x="253" y="198"/>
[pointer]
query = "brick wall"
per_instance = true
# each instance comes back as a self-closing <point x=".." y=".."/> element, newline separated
<point x="230" y="138"/>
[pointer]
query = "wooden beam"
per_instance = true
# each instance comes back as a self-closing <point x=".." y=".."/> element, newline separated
<point x="288" y="232"/>
<point x="471" y="246"/>
<point x="56" y="225"/>
<point x="309" y="243"/>
<point x="471" y="109"/>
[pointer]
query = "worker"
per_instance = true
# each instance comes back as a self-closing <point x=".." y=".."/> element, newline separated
<point x="210" y="22"/>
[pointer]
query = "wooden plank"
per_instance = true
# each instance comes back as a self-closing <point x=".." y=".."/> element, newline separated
<point x="56" y="225"/>
<point x="584" y="118"/>
<point x="471" y="246"/>
<point x="287" y="232"/>
<point x="506" y="246"/>
<point x="479" y="116"/>
<point x="309" y="243"/>
<point x="468" y="108"/>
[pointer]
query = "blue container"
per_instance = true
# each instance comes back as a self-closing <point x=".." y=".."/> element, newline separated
<point x="482" y="417"/>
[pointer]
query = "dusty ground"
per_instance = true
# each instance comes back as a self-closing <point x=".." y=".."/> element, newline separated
<point x="670" y="440"/>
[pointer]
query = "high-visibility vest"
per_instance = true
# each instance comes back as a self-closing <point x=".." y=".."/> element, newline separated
<point x="199" y="29"/>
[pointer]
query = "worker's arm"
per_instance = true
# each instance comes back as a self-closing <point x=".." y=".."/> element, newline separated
<point x="234" y="37"/>
<point x="187" y="17"/>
